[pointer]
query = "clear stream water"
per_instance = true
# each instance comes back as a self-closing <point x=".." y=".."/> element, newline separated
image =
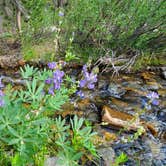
<point x="126" y="93"/>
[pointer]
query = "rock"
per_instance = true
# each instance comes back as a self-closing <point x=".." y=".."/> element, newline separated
<point x="116" y="90"/>
<point x="162" y="92"/>
<point x="108" y="155"/>
<point x="162" y="115"/>
<point x="11" y="61"/>
<point x="152" y="85"/>
<point x="112" y="90"/>
<point x="126" y="121"/>
<point x="137" y="152"/>
<point x="164" y="74"/>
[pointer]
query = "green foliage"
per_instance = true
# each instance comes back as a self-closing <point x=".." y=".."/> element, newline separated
<point x="55" y="102"/>
<point x="33" y="93"/>
<point x="4" y="159"/>
<point x="22" y="131"/>
<point x="25" y="121"/>
<point x="70" y="56"/>
<point x="28" y="71"/>
<point x="41" y="16"/>
<point x="28" y="131"/>
<point x="122" y="158"/>
<point x="72" y="146"/>
<point x="118" y="25"/>
<point x="82" y="137"/>
<point x="91" y="28"/>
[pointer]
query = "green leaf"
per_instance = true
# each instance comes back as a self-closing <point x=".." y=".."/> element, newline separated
<point x="13" y="131"/>
<point x="14" y="141"/>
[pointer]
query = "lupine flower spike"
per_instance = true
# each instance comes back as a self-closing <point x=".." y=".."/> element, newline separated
<point x="56" y="79"/>
<point x="89" y="79"/>
<point x="2" y="102"/>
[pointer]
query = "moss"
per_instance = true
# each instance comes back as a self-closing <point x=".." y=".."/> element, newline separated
<point x="43" y="51"/>
<point x="149" y="60"/>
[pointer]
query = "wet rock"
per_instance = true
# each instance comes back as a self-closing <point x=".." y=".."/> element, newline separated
<point x="155" y="148"/>
<point x="152" y="85"/>
<point x="120" y="119"/>
<point x="119" y="103"/>
<point x="164" y="74"/>
<point x="116" y="90"/>
<point x="127" y="121"/>
<point x="102" y="84"/>
<point x="162" y="92"/>
<point x="108" y="155"/>
<point x="148" y="76"/>
<point x="157" y="163"/>
<point x="89" y="110"/>
<point x="162" y="115"/>
<point x="112" y="90"/>
<point x="137" y="152"/>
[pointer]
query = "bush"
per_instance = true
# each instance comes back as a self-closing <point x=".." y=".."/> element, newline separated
<point x="117" y="25"/>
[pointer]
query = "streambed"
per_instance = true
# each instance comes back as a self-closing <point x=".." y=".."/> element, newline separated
<point x="127" y="94"/>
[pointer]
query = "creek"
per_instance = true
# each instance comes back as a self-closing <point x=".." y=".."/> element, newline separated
<point x="125" y="94"/>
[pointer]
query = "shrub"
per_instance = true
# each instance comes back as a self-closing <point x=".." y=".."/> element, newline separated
<point x="117" y="25"/>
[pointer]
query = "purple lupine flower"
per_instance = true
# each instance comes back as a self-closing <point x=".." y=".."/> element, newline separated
<point x="80" y="94"/>
<point x="51" y="91"/>
<point x="89" y="79"/>
<point x="82" y="83"/>
<point x="153" y="96"/>
<point x="57" y="84"/>
<point x="52" y="65"/>
<point x="1" y="93"/>
<point x="61" y="14"/>
<point x="48" y="81"/>
<point x="55" y="80"/>
<point x="91" y="86"/>
<point x="58" y="75"/>
<point x="155" y="102"/>
<point x="2" y="102"/>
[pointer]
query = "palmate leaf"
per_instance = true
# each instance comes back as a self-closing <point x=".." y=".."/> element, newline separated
<point x="43" y="75"/>
<point x="28" y="71"/>
<point x="77" y="123"/>
<point x="40" y="121"/>
<point x="13" y="141"/>
<point x="2" y="126"/>
<point x="61" y="124"/>
<point x="33" y="93"/>
<point x="55" y="102"/>
<point x="13" y="132"/>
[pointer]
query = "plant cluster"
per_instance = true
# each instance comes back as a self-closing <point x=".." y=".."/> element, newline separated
<point x="73" y="141"/>
<point x="27" y="128"/>
<point x="121" y="26"/>
<point x="83" y="27"/>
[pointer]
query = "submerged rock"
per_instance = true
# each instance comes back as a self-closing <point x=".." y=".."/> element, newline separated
<point x="112" y="90"/>
<point x="108" y="155"/>
<point x="162" y="115"/>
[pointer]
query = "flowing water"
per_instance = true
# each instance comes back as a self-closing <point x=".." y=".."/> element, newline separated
<point x="126" y="94"/>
